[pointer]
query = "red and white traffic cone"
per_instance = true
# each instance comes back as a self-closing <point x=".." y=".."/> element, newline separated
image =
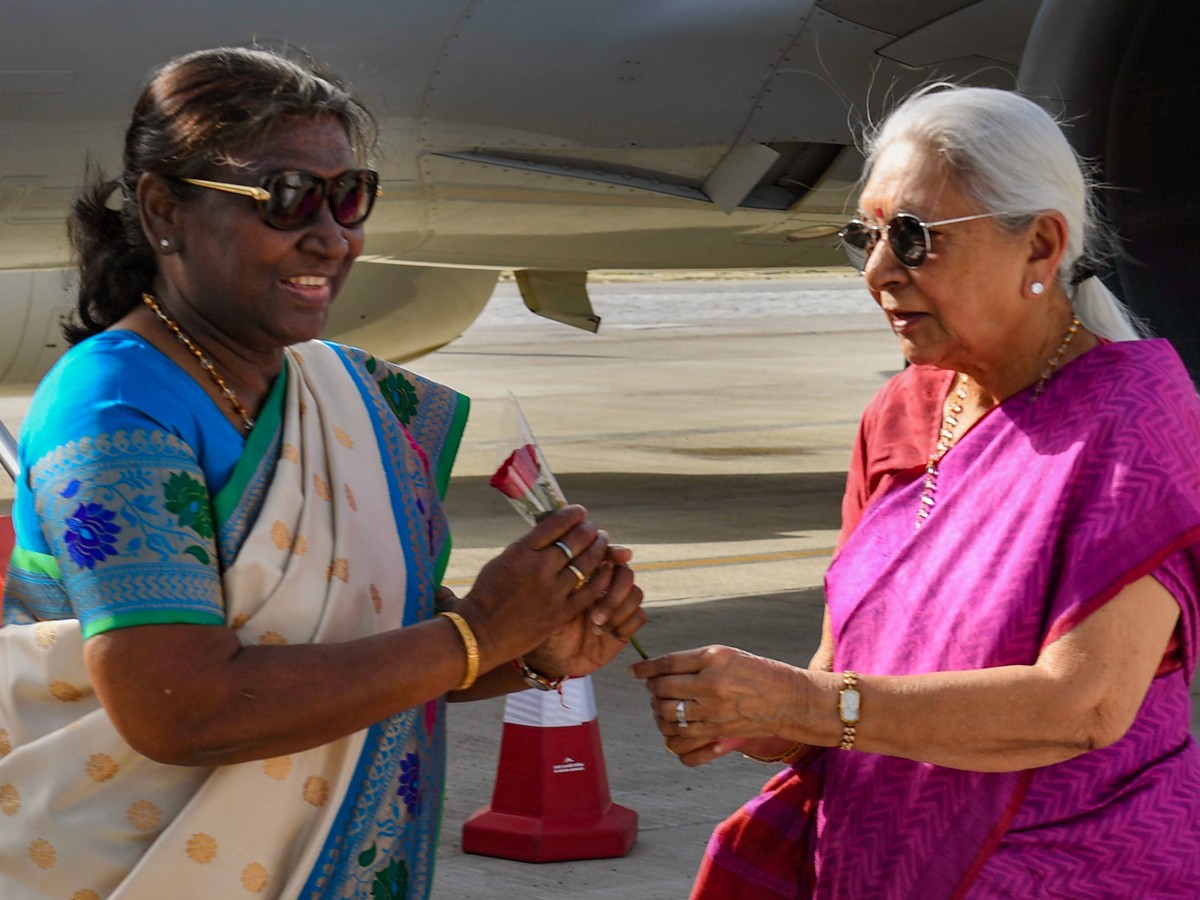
<point x="551" y="800"/>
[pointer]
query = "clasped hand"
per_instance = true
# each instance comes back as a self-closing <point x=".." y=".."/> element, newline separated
<point x="529" y="601"/>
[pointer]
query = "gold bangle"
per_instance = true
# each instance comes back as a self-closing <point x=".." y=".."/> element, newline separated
<point x="849" y="709"/>
<point x="471" y="645"/>
<point x="789" y="755"/>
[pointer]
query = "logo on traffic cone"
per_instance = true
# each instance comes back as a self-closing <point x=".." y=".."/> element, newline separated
<point x="551" y="800"/>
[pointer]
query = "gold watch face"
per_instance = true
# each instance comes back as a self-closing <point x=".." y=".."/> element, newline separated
<point x="849" y="705"/>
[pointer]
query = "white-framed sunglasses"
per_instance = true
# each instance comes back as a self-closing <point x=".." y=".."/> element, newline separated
<point x="907" y="235"/>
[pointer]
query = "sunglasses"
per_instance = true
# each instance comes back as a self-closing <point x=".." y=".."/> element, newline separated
<point x="292" y="198"/>
<point x="907" y="235"/>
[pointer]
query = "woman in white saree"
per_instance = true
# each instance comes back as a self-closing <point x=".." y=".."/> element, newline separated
<point x="226" y="652"/>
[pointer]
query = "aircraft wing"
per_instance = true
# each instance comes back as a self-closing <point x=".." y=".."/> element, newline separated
<point x="553" y="139"/>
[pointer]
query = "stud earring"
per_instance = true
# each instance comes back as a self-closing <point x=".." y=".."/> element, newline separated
<point x="164" y="243"/>
<point x="1037" y="288"/>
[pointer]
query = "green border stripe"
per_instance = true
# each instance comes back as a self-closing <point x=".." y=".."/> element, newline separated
<point x="453" y="440"/>
<point x="226" y="500"/>
<point x="37" y="563"/>
<point x="150" y="617"/>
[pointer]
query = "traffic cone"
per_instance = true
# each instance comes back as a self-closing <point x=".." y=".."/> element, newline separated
<point x="6" y="545"/>
<point x="551" y="800"/>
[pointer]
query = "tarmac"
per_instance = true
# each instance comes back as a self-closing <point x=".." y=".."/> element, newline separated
<point x="716" y="448"/>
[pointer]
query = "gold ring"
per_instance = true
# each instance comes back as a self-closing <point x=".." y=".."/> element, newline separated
<point x="580" y="578"/>
<point x="667" y="747"/>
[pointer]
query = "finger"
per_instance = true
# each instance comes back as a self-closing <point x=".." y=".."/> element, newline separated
<point x="554" y="526"/>
<point x="619" y="603"/>
<point x="619" y="554"/>
<point x="679" y="744"/>
<point x="677" y="712"/>
<point x="686" y="717"/>
<point x="706" y="754"/>
<point x="573" y="543"/>
<point x="627" y="626"/>
<point x="590" y="553"/>
<point x="588" y="591"/>
<point x="671" y="687"/>
<point x="682" y="663"/>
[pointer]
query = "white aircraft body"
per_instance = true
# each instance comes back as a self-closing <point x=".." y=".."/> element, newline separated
<point x="553" y="138"/>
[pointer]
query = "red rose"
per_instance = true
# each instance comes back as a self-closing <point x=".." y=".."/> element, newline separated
<point x="519" y="473"/>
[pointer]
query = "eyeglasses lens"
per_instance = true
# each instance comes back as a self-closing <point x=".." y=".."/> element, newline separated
<point x="296" y="198"/>
<point x="906" y="236"/>
<point x="858" y="238"/>
<point x="353" y="197"/>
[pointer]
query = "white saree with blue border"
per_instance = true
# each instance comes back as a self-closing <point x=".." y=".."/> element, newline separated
<point x="329" y="529"/>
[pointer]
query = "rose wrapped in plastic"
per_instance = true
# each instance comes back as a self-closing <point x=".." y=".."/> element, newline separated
<point x="527" y="482"/>
<point x="525" y="479"/>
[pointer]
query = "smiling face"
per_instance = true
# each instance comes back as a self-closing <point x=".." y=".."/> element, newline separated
<point x="965" y="308"/>
<point x="254" y="286"/>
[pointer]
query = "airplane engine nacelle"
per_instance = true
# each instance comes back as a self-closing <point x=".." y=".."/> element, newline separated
<point x="397" y="312"/>
<point x="400" y="312"/>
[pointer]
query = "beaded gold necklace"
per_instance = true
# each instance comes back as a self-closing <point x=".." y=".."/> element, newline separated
<point x="205" y="363"/>
<point x="953" y="409"/>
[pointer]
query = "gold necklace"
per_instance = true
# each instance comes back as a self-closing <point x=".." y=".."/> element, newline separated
<point x="204" y="361"/>
<point x="953" y="408"/>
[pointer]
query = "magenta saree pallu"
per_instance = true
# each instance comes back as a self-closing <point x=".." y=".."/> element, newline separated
<point x="1045" y="510"/>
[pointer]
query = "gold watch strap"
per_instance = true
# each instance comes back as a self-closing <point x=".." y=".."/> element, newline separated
<point x="849" y="709"/>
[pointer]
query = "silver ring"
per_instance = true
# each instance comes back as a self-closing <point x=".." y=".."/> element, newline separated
<point x="680" y="715"/>
<point x="580" y="578"/>
<point x="561" y="545"/>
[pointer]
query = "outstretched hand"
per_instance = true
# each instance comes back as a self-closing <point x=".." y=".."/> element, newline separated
<point x="710" y="701"/>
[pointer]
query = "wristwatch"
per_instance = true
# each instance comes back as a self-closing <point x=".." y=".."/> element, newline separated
<point x="536" y="679"/>
<point x="849" y="709"/>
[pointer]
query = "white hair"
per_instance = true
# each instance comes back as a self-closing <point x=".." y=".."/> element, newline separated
<point x="1008" y="154"/>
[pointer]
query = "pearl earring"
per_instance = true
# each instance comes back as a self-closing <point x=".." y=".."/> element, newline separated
<point x="164" y="243"/>
<point x="1037" y="288"/>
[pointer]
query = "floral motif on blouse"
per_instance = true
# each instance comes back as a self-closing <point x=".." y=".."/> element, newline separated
<point x="187" y="498"/>
<point x="398" y="392"/>
<point x="91" y="534"/>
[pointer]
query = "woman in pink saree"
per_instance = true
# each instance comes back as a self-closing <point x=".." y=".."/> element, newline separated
<point x="999" y="706"/>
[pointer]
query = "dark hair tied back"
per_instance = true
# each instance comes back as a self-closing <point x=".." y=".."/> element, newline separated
<point x="196" y="112"/>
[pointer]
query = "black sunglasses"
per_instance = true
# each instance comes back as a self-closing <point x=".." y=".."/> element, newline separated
<point x="907" y="235"/>
<point x="292" y="198"/>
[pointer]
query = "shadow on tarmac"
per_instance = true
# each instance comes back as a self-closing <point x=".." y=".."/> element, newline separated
<point x="641" y="508"/>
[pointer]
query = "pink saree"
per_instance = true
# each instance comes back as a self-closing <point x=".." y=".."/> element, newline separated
<point x="1044" y="512"/>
